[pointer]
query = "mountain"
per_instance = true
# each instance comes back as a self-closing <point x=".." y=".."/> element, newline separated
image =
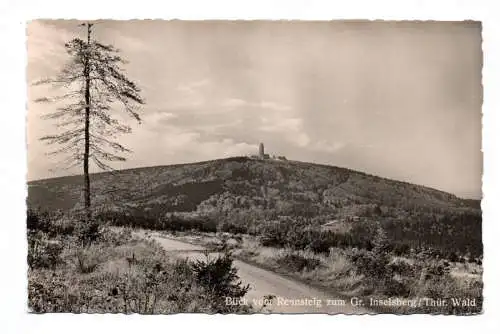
<point x="259" y="190"/>
<point x="183" y="187"/>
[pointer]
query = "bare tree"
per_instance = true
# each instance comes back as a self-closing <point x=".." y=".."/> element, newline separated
<point x="94" y="83"/>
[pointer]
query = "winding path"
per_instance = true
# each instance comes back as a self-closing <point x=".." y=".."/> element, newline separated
<point x="290" y="296"/>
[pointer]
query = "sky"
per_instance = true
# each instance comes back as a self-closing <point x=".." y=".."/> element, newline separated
<point x="400" y="100"/>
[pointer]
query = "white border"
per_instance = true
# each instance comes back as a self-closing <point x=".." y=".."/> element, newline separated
<point x="13" y="15"/>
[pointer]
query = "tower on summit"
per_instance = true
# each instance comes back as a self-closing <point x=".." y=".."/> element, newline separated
<point x="266" y="156"/>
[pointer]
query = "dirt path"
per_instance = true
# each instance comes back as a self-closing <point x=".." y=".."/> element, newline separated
<point x="290" y="296"/>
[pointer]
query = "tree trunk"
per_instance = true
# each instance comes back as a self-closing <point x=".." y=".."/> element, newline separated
<point x="87" y="128"/>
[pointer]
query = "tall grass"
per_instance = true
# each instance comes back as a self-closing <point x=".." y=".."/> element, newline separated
<point x="119" y="273"/>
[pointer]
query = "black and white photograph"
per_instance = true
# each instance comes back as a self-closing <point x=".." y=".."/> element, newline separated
<point x="260" y="166"/>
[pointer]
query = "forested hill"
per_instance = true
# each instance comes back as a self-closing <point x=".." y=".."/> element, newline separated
<point x="244" y="195"/>
<point x="242" y="182"/>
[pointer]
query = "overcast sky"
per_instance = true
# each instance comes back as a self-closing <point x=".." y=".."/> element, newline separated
<point x="399" y="100"/>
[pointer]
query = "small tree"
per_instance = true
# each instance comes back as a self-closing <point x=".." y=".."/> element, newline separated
<point x="95" y="84"/>
<point x="219" y="280"/>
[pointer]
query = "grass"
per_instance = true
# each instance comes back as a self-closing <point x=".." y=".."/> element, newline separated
<point x="123" y="274"/>
<point x="339" y="273"/>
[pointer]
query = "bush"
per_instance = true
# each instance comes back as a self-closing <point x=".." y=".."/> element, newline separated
<point x="401" y="249"/>
<point x="62" y="226"/>
<point x="87" y="260"/>
<point x="88" y="232"/>
<point x="113" y="238"/>
<point x="371" y="264"/>
<point x="395" y="288"/>
<point x="230" y="227"/>
<point x="187" y="223"/>
<point x="53" y="223"/>
<point x="404" y="269"/>
<point x="302" y="234"/>
<point x="43" y="252"/>
<point x="272" y="234"/>
<point x="431" y="269"/>
<point x="297" y="262"/>
<point x="38" y="221"/>
<point x="48" y="292"/>
<point x="380" y="274"/>
<point x="219" y="280"/>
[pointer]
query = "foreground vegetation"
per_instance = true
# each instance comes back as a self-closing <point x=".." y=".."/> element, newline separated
<point x="375" y="274"/>
<point x="117" y="272"/>
<point x="378" y="274"/>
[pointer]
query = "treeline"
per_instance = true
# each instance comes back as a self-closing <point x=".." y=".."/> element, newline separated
<point x="453" y="237"/>
<point x="169" y="222"/>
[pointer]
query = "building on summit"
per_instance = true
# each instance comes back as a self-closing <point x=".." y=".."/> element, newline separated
<point x="265" y="156"/>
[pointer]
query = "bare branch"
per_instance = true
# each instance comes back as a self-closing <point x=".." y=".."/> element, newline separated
<point x="113" y="145"/>
<point x="62" y="138"/>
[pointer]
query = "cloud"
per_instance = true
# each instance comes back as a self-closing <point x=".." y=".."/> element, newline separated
<point x="193" y="86"/>
<point x="234" y="103"/>
<point x="177" y="145"/>
<point x="289" y="128"/>
<point x="264" y="105"/>
<point x="274" y="106"/>
<point x="265" y="118"/>
<point x="325" y="146"/>
<point x="225" y="148"/>
<point x="301" y="140"/>
<point x="155" y="120"/>
<point x="276" y="123"/>
<point x="46" y="50"/>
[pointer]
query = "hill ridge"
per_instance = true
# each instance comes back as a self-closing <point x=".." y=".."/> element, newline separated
<point x="326" y="187"/>
<point x="34" y="182"/>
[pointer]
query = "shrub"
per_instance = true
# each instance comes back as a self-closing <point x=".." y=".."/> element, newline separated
<point x="88" y="232"/>
<point x="43" y="252"/>
<point x="230" y="227"/>
<point x="219" y="280"/>
<point x="236" y="221"/>
<point x="404" y="269"/>
<point x="272" y="234"/>
<point x="322" y="242"/>
<point x="392" y="287"/>
<point x="48" y="292"/>
<point x="440" y="268"/>
<point x="302" y="233"/>
<point x="371" y="264"/>
<point x="87" y="260"/>
<point x="400" y="249"/>
<point x="380" y="274"/>
<point x="298" y="262"/>
<point x="38" y="221"/>
<point x="52" y="223"/>
<point x="62" y="226"/>
<point x="113" y="238"/>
